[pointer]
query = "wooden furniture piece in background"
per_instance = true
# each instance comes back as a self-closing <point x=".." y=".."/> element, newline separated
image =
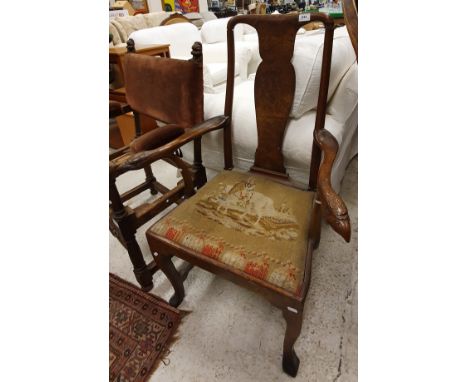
<point x="124" y="4"/>
<point x="154" y="90"/>
<point x="115" y="138"/>
<point x="116" y="109"/>
<point x="126" y="122"/>
<point x="126" y="127"/>
<point x="260" y="9"/>
<point x="117" y="54"/>
<point x="175" y="19"/>
<point x="259" y="230"/>
<point x="338" y="21"/>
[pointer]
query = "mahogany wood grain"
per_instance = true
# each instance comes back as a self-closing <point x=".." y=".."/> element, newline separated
<point x="175" y="19"/>
<point x="321" y="103"/>
<point x="350" y="10"/>
<point x="275" y="76"/>
<point x="333" y="207"/>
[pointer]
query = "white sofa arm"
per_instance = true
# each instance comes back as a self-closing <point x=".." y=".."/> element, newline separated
<point x="217" y="53"/>
<point x="214" y="31"/>
<point x="180" y="36"/>
<point x="345" y="99"/>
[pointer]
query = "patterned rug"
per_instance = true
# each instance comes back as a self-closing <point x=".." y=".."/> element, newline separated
<point x="141" y="328"/>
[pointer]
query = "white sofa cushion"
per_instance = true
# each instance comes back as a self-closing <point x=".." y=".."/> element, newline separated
<point x="155" y="19"/>
<point x="217" y="53"/>
<point x="115" y="34"/>
<point x="248" y="29"/>
<point x="216" y="31"/>
<point x="297" y="144"/>
<point x="307" y="62"/>
<point x="251" y="37"/>
<point x="250" y="41"/>
<point x="130" y="24"/>
<point x="218" y="72"/>
<point x="120" y="31"/>
<point x="208" y="15"/>
<point x="180" y="36"/>
<point x="193" y="15"/>
<point x="345" y="99"/>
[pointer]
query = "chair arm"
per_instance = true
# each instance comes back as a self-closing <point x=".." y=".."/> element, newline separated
<point x="333" y="207"/>
<point x="136" y="161"/>
<point x="119" y="152"/>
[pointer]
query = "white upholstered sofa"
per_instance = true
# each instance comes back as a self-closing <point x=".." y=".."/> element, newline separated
<point x="181" y="37"/>
<point x="122" y="27"/>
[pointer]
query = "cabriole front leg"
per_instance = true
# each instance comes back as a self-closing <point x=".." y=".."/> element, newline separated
<point x="167" y="267"/>
<point x="293" y="319"/>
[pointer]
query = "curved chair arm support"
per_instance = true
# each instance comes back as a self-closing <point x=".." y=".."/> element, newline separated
<point x="137" y="161"/>
<point x="333" y="207"/>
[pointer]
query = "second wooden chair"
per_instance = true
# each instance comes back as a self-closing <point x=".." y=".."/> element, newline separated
<point x="169" y="91"/>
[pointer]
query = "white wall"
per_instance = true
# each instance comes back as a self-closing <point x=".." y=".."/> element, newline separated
<point x="203" y="5"/>
<point x="154" y="5"/>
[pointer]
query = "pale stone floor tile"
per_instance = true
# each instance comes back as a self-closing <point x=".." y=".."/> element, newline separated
<point x="234" y="335"/>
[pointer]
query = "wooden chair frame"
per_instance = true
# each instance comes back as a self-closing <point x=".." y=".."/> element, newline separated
<point x="175" y="19"/>
<point x="276" y="50"/>
<point x="123" y="220"/>
<point x="350" y="10"/>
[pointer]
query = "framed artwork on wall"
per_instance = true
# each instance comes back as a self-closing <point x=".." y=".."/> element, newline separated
<point x="140" y="6"/>
<point x="187" y="6"/>
<point x="184" y="6"/>
<point x="168" y="5"/>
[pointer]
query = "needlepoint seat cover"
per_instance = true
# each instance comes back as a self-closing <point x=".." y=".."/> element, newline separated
<point x="248" y="223"/>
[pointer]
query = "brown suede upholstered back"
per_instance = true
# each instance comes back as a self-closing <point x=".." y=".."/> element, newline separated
<point x="165" y="89"/>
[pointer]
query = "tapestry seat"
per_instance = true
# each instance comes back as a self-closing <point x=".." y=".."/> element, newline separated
<point x="272" y="220"/>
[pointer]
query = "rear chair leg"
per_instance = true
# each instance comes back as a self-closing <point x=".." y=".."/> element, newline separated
<point x="293" y="319"/>
<point x="127" y="230"/>
<point x="141" y="270"/>
<point x="151" y="180"/>
<point x="200" y="172"/>
<point x="167" y="266"/>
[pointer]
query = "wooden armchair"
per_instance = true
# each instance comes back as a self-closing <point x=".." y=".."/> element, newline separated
<point x="169" y="91"/>
<point x="259" y="230"/>
<point x="175" y="19"/>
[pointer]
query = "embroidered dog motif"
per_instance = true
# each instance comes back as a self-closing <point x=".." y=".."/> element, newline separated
<point x="242" y="208"/>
